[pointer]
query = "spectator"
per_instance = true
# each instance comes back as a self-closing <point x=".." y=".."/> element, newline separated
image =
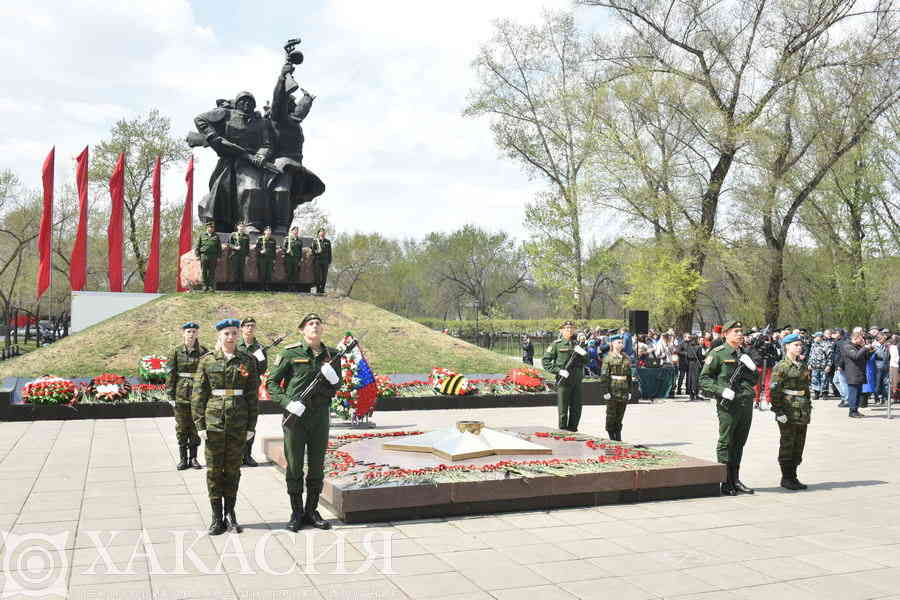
<point x="839" y="381"/>
<point x="820" y="363"/>
<point x="854" y="356"/>
<point x="880" y="353"/>
<point x="894" y="367"/>
<point x="527" y="351"/>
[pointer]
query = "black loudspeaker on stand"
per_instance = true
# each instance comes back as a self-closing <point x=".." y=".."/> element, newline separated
<point x="639" y="321"/>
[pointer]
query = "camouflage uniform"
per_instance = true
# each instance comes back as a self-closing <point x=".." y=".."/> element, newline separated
<point x="240" y="243"/>
<point x="224" y="403"/>
<point x="790" y="397"/>
<point x="568" y="391"/>
<point x="179" y="383"/>
<point x="208" y="249"/>
<point x="615" y="380"/>
<point x="293" y="251"/>
<point x="261" y="366"/>
<point x="265" y="262"/>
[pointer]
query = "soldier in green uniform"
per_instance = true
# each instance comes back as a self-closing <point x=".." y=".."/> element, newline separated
<point x="249" y="345"/>
<point x="240" y="250"/>
<point x="792" y="406"/>
<point x="734" y="401"/>
<point x="208" y="249"/>
<point x="265" y="257"/>
<point x="321" y="260"/>
<point x="615" y="382"/>
<point x="306" y="424"/>
<point x="569" y="370"/>
<point x="292" y="246"/>
<point x="224" y="403"/>
<point x="183" y="360"/>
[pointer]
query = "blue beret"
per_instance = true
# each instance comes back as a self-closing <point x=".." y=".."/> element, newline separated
<point x="190" y="325"/>
<point x="818" y="333"/>
<point x="227" y="323"/>
<point x="794" y="337"/>
<point x="613" y="338"/>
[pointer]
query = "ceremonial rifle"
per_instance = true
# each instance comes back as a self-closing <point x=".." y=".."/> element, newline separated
<point x="304" y="395"/>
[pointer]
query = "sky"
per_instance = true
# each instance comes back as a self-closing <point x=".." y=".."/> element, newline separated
<point x="386" y="132"/>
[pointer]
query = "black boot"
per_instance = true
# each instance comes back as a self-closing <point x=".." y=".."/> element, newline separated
<point x="728" y="484"/>
<point x="296" y="522"/>
<point x="738" y="486"/>
<point x="619" y="433"/>
<point x="230" y="517"/>
<point x="611" y="433"/>
<point x="217" y="526"/>
<point x="183" y="463"/>
<point x="248" y="455"/>
<point x="192" y="458"/>
<point x="787" y="478"/>
<point x="800" y="486"/>
<point x="310" y="515"/>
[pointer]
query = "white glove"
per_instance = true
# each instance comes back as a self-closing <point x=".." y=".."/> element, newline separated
<point x="781" y="418"/>
<point x="563" y="373"/>
<point x="330" y="374"/>
<point x="607" y="396"/>
<point x="296" y="407"/>
<point x="250" y="435"/>
<point x="579" y="351"/>
<point x="748" y="362"/>
<point x="202" y="434"/>
<point x="728" y="394"/>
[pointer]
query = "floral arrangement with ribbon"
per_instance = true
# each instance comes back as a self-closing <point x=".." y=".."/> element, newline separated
<point x="355" y="399"/>
<point x="526" y="379"/>
<point x="153" y="368"/>
<point x="49" y="390"/>
<point x="450" y="383"/>
<point x="109" y="387"/>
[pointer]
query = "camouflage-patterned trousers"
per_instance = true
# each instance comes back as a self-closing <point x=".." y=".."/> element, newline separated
<point x="793" y="438"/>
<point x="615" y="412"/>
<point x="568" y="404"/>
<point x="185" y="428"/>
<point x="306" y="436"/>
<point x="224" y="452"/>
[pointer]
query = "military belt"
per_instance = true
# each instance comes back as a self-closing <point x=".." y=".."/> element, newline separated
<point x="185" y="374"/>
<point x="228" y="392"/>
<point x="620" y="377"/>
<point x="794" y="392"/>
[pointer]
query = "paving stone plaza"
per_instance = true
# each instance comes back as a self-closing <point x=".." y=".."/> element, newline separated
<point x="96" y="509"/>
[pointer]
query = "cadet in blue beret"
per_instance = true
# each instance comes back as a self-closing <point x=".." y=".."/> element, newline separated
<point x="182" y="364"/>
<point x="792" y="406"/>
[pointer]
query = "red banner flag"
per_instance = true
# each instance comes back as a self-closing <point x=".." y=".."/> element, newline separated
<point x="46" y="232"/>
<point x="78" y="263"/>
<point x="151" y="277"/>
<point x="187" y="220"/>
<point x="114" y="231"/>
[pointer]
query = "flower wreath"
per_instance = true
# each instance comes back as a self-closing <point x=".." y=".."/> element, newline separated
<point x="49" y="390"/>
<point x="109" y="387"/>
<point x="153" y="368"/>
<point x="450" y="383"/>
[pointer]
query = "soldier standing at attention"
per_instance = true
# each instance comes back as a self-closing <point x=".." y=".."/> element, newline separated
<point x="734" y="403"/>
<point x="183" y="362"/>
<point x="208" y="249"/>
<point x="321" y="260"/>
<point x="224" y="403"/>
<point x="249" y="345"/>
<point x="240" y="250"/>
<point x="265" y="257"/>
<point x="792" y="406"/>
<point x="306" y="423"/>
<point x="615" y="381"/>
<point x="569" y="372"/>
<point x="292" y="246"/>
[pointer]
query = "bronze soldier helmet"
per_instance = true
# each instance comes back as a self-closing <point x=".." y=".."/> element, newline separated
<point x="242" y="95"/>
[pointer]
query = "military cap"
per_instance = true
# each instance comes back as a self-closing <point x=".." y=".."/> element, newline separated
<point x="190" y="325"/>
<point x="794" y="337"/>
<point x="309" y="318"/>
<point x="732" y="325"/>
<point x="247" y="321"/>
<point x="613" y="338"/>
<point x="567" y="324"/>
<point x="227" y="323"/>
<point x="818" y="334"/>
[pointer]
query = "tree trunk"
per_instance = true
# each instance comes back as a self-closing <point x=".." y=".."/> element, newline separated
<point x="776" y="279"/>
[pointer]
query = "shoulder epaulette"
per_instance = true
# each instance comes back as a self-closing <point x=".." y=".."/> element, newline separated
<point x="294" y="345"/>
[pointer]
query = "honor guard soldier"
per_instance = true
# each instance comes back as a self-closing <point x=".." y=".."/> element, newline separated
<point x="265" y="257"/>
<point x="792" y="406"/>
<point x="240" y="250"/>
<point x="224" y="403"/>
<point x="729" y="376"/>
<point x="249" y="345"/>
<point x="292" y="246"/>
<point x="208" y="249"/>
<point x="183" y="362"/>
<point x="615" y="382"/>
<point x="565" y="359"/>
<point x="321" y="260"/>
<point x="306" y="423"/>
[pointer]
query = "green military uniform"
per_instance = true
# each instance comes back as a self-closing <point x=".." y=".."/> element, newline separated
<point x="615" y="380"/>
<point x="208" y="250"/>
<point x="736" y="415"/>
<point x="321" y="262"/>
<point x="790" y="397"/>
<point x="255" y="350"/>
<point x="293" y="251"/>
<point x="183" y="363"/>
<point x="240" y="250"/>
<point x="224" y="403"/>
<point x="568" y="390"/>
<point x="307" y="435"/>
<point x="265" y="261"/>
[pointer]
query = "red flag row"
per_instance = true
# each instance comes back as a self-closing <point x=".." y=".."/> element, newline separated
<point x="115" y="236"/>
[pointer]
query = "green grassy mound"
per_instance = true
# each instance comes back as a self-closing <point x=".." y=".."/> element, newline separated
<point x="392" y="343"/>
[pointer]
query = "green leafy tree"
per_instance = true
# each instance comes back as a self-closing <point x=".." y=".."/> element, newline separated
<point x="661" y="283"/>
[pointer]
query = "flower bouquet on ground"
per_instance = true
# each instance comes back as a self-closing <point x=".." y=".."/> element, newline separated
<point x="450" y="383"/>
<point x="153" y="368"/>
<point x="526" y="379"/>
<point x="49" y="390"/>
<point x="386" y="389"/>
<point x="149" y="392"/>
<point x="355" y="399"/>
<point x="109" y="387"/>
